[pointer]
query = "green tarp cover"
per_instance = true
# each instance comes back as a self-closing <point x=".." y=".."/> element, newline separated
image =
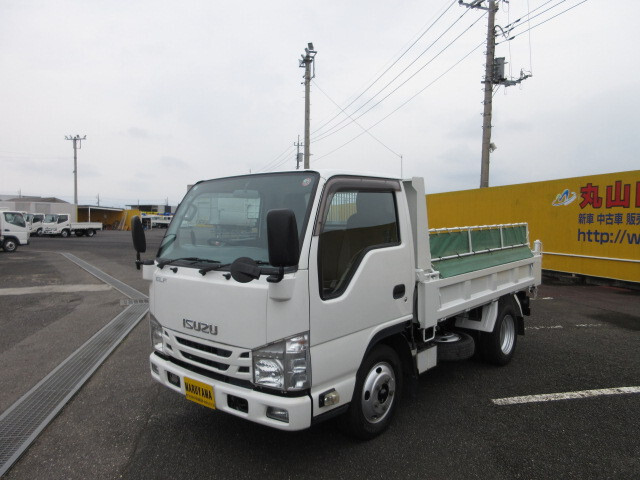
<point x="479" y="261"/>
<point x="445" y="244"/>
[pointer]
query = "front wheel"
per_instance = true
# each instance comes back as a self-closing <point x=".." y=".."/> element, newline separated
<point x="499" y="346"/>
<point x="377" y="394"/>
<point x="10" y="245"/>
<point x="39" y="232"/>
<point x="64" y="233"/>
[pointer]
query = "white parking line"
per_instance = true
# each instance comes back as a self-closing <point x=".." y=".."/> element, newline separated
<point x="551" y="397"/>
<point x="544" y="327"/>
<point x="55" y="289"/>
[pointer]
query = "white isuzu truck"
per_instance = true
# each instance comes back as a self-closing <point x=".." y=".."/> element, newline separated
<point x="60" y="224"/>
<point x="289" y="298"/>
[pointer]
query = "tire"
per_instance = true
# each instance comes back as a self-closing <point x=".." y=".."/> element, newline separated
<point x="499" y="346"/>
<point x="64" y="233"/>
<point x="455" y="346"/>
<point x="376" y="395"/>
<point x="91" y="233"/>
<point x="79" y="233"/>
<point x="39" y="232"/>
<point x="10" y="245"/>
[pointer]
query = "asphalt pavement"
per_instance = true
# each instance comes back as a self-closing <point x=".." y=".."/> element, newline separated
<point x="122" y="424"/>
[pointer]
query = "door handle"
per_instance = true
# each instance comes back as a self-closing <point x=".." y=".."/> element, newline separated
<point x="398" y="291"/>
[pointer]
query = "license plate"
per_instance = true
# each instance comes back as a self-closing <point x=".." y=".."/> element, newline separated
<point x="199" y="392"/>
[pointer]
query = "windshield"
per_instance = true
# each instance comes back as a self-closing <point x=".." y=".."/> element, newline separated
<point x="50" y="218"/>
<point x="225" y="219"/>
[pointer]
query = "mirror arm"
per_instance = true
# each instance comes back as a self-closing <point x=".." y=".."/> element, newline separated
<point x="143" y="262"/>
<point x="276" y="277"/>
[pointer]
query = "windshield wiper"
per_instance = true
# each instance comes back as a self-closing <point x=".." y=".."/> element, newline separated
<point x="211" y="268"/>
<point x="164" y="263"/>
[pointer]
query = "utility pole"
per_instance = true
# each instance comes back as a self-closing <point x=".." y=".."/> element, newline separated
<point x="77" y="144"/>
<point x="298" y="154"/>
<point x="493" y="75"/>
<point x="307" y="62"/>
<point x="488" y="95"/>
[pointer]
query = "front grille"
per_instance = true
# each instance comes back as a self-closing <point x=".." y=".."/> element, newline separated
<point x="204" y="348"/>
<point x="204" y="354"/>
<point x="204" y="361"/>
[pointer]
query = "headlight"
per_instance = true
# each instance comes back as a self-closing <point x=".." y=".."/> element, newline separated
<point x="156" y="333"/>
<point x="284" y="365"/>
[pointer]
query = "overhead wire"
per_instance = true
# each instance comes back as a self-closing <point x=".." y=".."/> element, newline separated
<point x="403" y="104"/>
<point x="529" y="13"/>
<point x="509" y="28"/>
<point x="328" y="134"/>
<point x="543" y="22"/>
<point x="387" y="69"/>
<point x="354" y="121"/>
<point x="338" y="126"/>
<point x="269" y="165"/>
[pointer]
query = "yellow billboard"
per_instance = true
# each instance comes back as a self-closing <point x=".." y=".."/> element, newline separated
<point x="588" y="225"/>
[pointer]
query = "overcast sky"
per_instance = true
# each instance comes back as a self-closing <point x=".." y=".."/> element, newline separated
<point x="169" y="93"/>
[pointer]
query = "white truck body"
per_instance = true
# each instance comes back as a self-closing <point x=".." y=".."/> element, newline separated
<point x="156" y="221"/>
<point x="14" y="230"/>
<point x="34" y="221"/>
<point x="59" y="224"/>
<point x="301" y="345"/>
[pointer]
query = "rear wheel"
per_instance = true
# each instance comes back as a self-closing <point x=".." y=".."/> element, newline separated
<point x="377" y="394"/>
<point x="91" y="233"/>
<point x="499" y="346"/>
<point x="79" y="233"/>
<point x="10" y="245"/>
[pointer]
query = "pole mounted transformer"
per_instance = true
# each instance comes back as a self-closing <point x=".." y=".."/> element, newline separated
<point x="306" y="62"/>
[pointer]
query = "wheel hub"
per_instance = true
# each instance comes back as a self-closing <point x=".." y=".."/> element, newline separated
<point x="378" y="392"/>
<point x="507" y="334"/>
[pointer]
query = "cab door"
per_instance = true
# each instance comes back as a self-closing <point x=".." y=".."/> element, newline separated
<point x="361" y="273"/>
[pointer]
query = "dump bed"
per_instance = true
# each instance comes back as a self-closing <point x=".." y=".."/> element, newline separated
<point x="473" y="266"/>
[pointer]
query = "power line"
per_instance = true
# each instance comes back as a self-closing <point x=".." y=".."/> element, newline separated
<point x="509" y="25"/>
<point x="387" y="69"/>
<point x="543" y="22"/>
<point x="354" y="121"/>
<point x="403" y="104"/>
<point x="268" y="165"/>
<point x="403" y="83"/>
<point x="337" y="127"/>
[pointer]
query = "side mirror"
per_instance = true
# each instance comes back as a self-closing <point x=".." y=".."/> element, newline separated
<point x="284" y="244"/>
<point x="139" y="240"/>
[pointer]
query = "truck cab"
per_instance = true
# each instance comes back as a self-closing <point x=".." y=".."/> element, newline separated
<point x="35" y="220"/>
<point x="56" y="224"/>
<point x="13" y="230"/>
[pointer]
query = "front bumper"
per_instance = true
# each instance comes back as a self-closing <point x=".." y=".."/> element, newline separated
<point x="299" y="408"/>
